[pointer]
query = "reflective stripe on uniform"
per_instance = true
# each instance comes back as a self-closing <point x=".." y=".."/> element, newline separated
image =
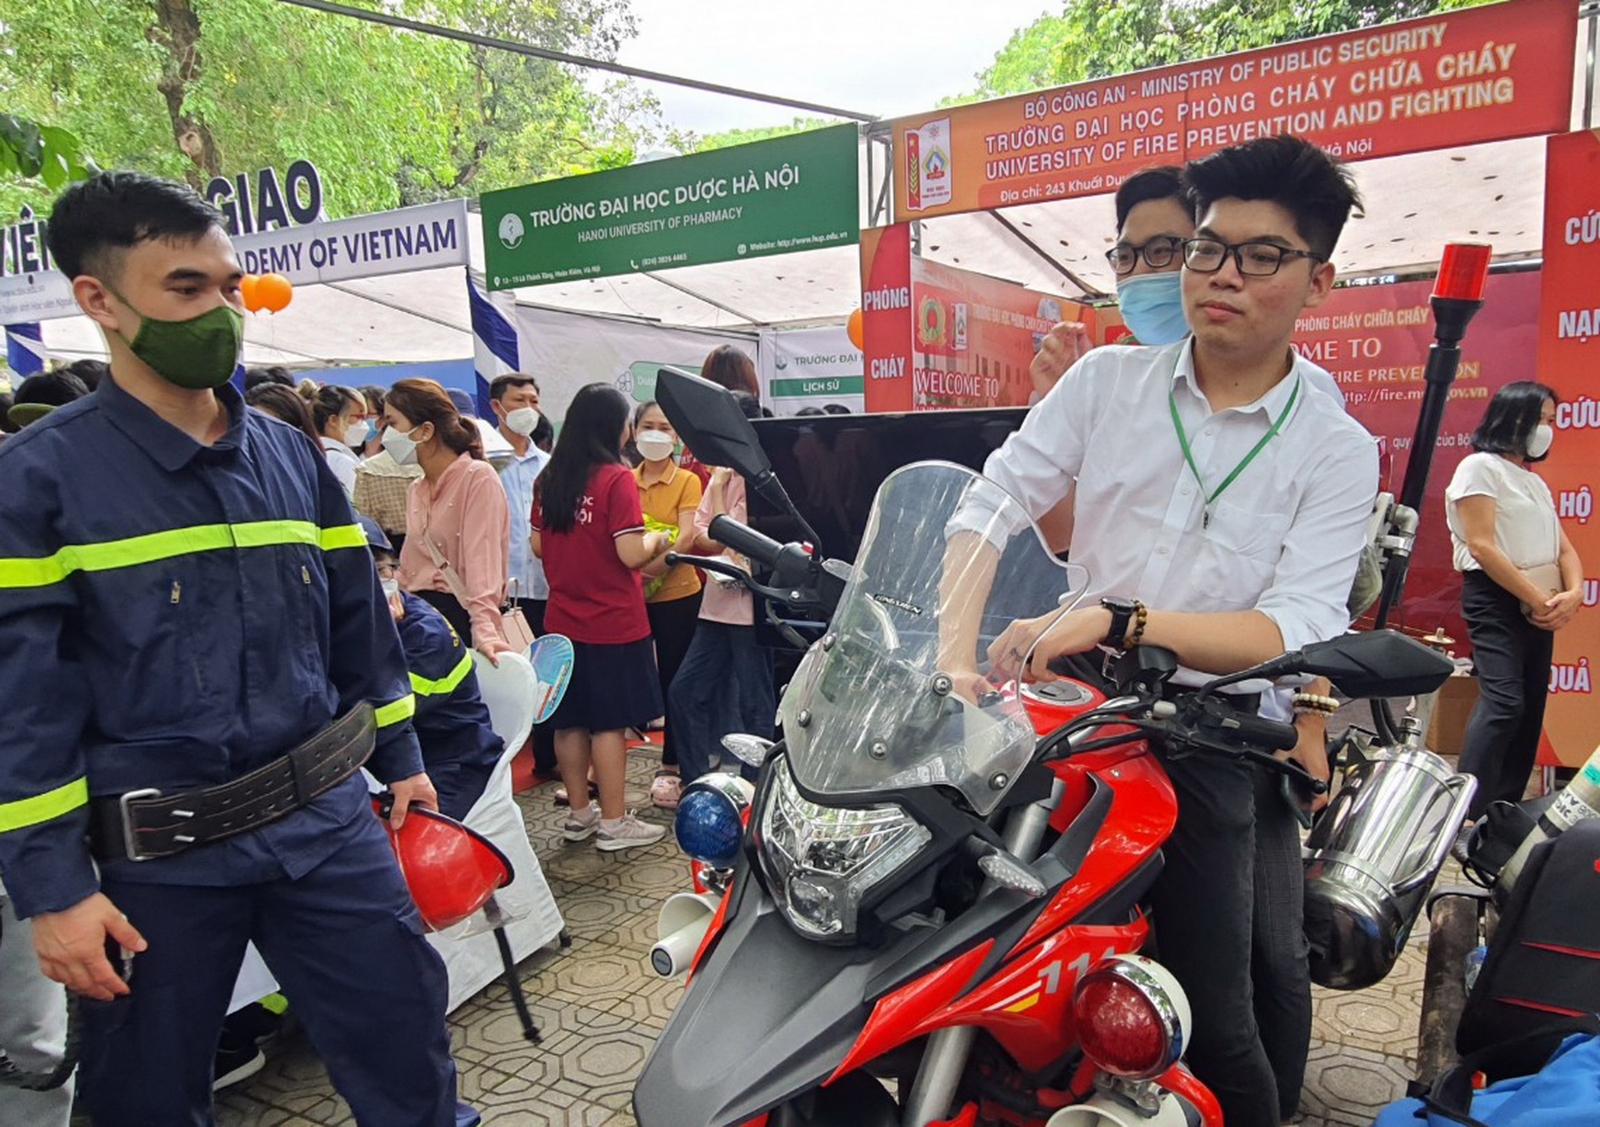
<point x="135" y="550"/>
<point x="25" y="812"/>
<point x="397" y="711"/>
<point x="445" y="684"/>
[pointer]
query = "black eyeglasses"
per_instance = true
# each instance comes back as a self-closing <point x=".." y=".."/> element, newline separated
<point x="1256" y="260"/>
<point x="1157" y="253"/>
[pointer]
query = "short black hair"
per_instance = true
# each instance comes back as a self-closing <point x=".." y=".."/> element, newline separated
<point x="96" y="218"/>
<point x="55" y="389"/>
<point x="91" y="372"/>
<point x="1307" y="182"/>
<point x="1163" y="182"/>
<point x="1510" y="418"/>
<point x="501" y="384"/>
<point x="256" y="377"/>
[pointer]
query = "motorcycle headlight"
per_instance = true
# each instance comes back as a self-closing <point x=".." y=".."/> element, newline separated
<point x="709" y="824"/>
<point x="820" y="861"/>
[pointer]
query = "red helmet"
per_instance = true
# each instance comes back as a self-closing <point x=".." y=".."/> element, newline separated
<point x="451" y="870"/>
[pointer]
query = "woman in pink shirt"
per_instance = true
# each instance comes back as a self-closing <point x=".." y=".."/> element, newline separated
<point x="458" y="529"/>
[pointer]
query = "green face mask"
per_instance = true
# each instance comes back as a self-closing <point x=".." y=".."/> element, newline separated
<point x="199" y="353"/>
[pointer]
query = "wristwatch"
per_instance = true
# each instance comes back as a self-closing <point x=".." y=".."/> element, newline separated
<point x="1122" y="612"/>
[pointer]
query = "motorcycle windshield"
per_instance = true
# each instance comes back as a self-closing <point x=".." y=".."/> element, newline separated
<point x="894" y="695"/>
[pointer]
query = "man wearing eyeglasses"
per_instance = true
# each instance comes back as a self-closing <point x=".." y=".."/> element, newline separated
<point x="1221" y="507"/>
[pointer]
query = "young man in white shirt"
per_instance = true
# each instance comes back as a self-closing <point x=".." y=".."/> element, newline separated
<point x="514" y="398"/>
<point x="1223" y="504"/>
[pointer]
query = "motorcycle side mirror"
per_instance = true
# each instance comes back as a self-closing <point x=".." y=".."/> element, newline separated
<point x="1377" y="663"/>
<point x="711" y="423"/>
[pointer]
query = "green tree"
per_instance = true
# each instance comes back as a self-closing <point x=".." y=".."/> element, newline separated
<point x="29" y="150"/>
<point x="195" y="88"/>
<point x="1097" y="38"/>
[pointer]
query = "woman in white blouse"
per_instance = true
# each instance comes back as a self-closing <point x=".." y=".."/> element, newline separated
<point x="1521" y="581"/>
<point x="340" y="416"/>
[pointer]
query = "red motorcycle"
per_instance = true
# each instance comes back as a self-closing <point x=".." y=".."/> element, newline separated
<point x="930" y="908"/>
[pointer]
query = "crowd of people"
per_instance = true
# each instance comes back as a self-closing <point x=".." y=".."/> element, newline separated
<point x="374" y="538"/>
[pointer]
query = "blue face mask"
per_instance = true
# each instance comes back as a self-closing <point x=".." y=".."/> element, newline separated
<point x="1152" y="307"/>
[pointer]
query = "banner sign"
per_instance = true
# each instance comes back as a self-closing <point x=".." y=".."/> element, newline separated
<point x="1374" y="340"/>
<point x="1482" y="74"/>
<point x="941" y="337"/>
<point x="364" y="246"/>
<point x="295" y="200"/>
<point x="1569" y="358"/>
<point x="31" y="288"/>
<point x="815" y="368"/>
<point x="768" y="197"/>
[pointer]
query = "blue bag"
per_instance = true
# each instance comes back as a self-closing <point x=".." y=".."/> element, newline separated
<point x="1564" y="1093"/>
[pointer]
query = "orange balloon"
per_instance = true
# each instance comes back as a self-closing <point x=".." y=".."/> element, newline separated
<point x="852" y="329"/>
<point x="247" y="290"/>
<point x="274" y="292"/>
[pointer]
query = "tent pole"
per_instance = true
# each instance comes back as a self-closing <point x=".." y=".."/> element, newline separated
<point x="572" y="60"/>
<point x="700" y="297"/>
<point x="1084" y="287"/>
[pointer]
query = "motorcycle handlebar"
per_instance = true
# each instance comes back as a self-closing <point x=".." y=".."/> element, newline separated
<point x="1274" y="735"/>
<point x="741" y="538"/>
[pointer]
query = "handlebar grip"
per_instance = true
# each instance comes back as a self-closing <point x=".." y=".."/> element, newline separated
<point x="741" y="538"/>
<point x="1274" y="735"/>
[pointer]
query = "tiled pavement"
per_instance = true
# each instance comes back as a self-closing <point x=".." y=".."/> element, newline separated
<point x="599" y="1007"/>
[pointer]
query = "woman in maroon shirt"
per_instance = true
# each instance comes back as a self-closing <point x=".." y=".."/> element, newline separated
<point x="588" y="528"/>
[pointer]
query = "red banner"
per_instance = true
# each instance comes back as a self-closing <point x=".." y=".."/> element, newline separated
<point x="1482" y="74"/>
<point x="941" y="337"/>
<point x="1569" y="357"/>
<point x="1375" y="340"/>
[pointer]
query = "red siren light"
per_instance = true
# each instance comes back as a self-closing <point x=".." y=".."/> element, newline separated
<point x="1463" y="271"/>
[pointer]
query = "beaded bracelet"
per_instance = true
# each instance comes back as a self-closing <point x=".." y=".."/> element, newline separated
<point x="1141" y="618"/>
<point x="1311" y="702"/>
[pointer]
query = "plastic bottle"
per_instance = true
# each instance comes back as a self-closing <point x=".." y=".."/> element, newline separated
<point x="1475" y="959"/>
<point x="1578" y="801"/>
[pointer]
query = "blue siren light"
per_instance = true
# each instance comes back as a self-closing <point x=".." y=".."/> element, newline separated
<point x="709" y="824"/>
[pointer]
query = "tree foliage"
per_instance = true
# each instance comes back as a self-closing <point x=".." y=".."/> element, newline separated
<point x="1098" y="38"/>
<point x="197" y="88"/>
<point x="30" y="150"/>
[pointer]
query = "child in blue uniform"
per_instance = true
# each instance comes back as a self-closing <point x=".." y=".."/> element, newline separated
<point x="459" y="748"/>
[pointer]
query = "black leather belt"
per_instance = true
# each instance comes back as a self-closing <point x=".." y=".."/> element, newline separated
<point x="145" y="824"/>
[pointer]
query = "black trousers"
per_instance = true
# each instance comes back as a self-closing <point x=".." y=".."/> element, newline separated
<point x="544" y="736"/>
<point x="1512" y="659"/>
<point x="672" y="625"/>
<point x="1204" y="910"/>
<point x="454" y="613"/>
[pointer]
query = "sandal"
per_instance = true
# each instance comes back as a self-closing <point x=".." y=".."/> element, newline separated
<point x="564" y="799"/>
<point x="666" y="790"/>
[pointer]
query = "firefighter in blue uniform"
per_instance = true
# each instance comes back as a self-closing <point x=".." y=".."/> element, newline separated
<point x="459" y="748"/>
<point x="194" y="659"/>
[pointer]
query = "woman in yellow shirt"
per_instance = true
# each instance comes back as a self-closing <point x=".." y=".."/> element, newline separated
<point x="669" y="496"/>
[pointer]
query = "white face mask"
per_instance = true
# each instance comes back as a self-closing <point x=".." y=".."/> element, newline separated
<point x="654" y="445"/>
<point x="523" y="421"/>
<point x="400" y="445"/>
<point x="391" y="588"/>
<point x="1539" y="441"/>
<point x="357" y="433"/>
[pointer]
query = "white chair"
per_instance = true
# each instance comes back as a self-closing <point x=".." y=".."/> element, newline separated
<point x="475" y="961"/>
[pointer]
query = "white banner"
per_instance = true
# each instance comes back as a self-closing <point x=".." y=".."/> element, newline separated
<point x="817" y="368"/>
<point x="44" y="296"/>
<point x="564" y="351"/>
<point x="365" y="246"/>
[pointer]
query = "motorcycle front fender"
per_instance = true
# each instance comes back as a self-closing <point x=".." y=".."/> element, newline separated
<point x="756" y="1030"/>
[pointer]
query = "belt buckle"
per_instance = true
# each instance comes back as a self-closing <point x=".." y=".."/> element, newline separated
<point x="128" y="836"/>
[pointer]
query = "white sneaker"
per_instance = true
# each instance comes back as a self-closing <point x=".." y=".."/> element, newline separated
<point x="582" y="824"/>
<point x="627" y="832"/>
